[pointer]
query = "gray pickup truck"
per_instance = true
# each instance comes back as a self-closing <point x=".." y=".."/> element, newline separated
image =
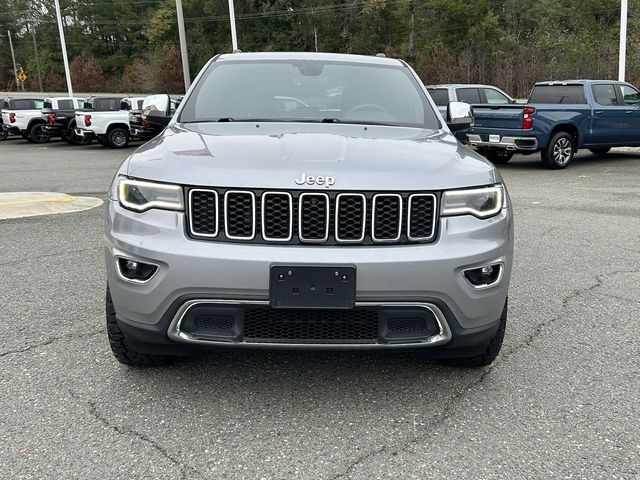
<point x="308" y="201"/>
<point x="484" y="98"/>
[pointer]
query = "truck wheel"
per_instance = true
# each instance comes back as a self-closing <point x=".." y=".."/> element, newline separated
<point x="119" y="346"/>
<point x="559" y="152"/>
<point x="37" y="134"/>
<point x="118" y="137"/>
<point x="600" y="151"/>
<point x="491" y="352"/>
<point x="496" y="156"/>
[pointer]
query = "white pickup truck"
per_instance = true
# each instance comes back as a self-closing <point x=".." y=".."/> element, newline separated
<point x="107" y="119"/>
<point x="22" y="117"/>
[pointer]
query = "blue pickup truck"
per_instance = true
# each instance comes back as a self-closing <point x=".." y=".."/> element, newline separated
<point x="558" y="119"/>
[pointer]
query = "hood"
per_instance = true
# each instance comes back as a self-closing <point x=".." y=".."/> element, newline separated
<point x="274" y="155"/>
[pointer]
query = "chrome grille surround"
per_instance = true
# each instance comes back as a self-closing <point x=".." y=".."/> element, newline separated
<point x="263" y="219"/>
<point x="334" y="218"/>
<point x="302" y="219"/>
<point x="227" y="195"/>
<point x="199" y="232"/>
<point x="434" y="216"/>
<point x="374" y="210"/>
<point x="338" y="213"/>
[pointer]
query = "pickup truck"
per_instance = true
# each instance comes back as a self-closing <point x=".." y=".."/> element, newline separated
<point x="22" y="117"/>
<point x="107" y="119"/>
<point x="481" y="97"/>
<point x="558" y="119"/>
<point x="4" y="129"/>
<point x="60" y="118"/>
<point x="144" y="128"/>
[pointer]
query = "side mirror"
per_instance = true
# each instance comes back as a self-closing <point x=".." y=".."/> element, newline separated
<point x="157" y="102"/>
<point x="156" y="116"/>
<point x="459" y="116"/>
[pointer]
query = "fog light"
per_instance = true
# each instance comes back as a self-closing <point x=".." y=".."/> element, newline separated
<point x="485" y="276"/>
<point x="134" y="270"/>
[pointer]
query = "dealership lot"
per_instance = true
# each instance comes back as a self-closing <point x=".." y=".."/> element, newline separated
<point x="561" y="401"/>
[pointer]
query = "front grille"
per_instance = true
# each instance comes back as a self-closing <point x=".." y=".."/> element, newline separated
<point x="294" y="217"/>
<point x="312" y="325"/>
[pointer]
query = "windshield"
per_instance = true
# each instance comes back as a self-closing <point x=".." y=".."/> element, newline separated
<point x="309" y="91"/>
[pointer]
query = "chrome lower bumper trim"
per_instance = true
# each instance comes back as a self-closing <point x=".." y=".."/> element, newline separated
<point x="442" y="337"/>
<point x="507" y="142"/>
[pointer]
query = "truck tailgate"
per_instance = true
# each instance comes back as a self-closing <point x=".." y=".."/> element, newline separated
<point x="502" y="117"/>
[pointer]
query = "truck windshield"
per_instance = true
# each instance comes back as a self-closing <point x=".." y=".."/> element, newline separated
<point x="573" y="94"/>
<point x="309" y="91"/>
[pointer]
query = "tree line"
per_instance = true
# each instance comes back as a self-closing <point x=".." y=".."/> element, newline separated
<point x="131" y="45"/>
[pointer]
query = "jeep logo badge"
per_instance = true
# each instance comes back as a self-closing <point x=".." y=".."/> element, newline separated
<point x="319" y="180"/>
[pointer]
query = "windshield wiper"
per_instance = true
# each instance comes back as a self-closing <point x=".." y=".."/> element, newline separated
<point x="331" y="120"/>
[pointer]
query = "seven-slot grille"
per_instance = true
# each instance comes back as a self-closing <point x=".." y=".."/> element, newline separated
<point x="326" y="218"/>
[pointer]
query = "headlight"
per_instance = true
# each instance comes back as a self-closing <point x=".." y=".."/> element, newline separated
<point x="479" y="202"/>
<point x="140" y="196"/>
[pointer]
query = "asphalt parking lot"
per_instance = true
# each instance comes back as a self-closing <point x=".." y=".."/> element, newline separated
<point x="561" y="401"/>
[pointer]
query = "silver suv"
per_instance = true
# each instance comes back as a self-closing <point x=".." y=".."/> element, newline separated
<point x="314" y="201"/>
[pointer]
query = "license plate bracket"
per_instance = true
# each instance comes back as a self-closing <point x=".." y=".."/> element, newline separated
<point x="302" y="286"/>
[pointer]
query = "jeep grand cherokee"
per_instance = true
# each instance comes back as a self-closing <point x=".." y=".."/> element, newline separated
<point x="313" y="201"/>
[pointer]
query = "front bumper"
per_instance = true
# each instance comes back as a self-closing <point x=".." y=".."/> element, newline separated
<point x="421" y="274"/>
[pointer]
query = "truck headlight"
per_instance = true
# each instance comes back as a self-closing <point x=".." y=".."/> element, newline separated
<point x="141" y="196"/>
<point x="482" y="202"/>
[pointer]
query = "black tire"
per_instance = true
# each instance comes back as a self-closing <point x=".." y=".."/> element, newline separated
<point x="559" y="152"/>
<point x="121" y="349"/>
<point x="491" y="352"/>
<point x="37" y="134"/>
<point x="498" y="156"/>
<point x="118" y="137"/>
<point x="3" y="134"/>
<point x="600" y="151"/>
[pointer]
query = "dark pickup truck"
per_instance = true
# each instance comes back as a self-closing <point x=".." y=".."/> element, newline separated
<point x="59" y="115"/>
<point x="558" y="119"/>
<point x="142" y="127"/>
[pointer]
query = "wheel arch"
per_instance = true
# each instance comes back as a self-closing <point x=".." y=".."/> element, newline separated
<point x="571" y="130"/>
<point x="113" y="125"/>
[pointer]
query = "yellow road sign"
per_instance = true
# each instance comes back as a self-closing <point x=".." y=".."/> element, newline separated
<point x="21" y="76"/>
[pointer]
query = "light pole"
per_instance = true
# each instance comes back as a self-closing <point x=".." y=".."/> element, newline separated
<point x="623" y="40"/>
<point x="183" y="46"/>
<point x="64" y="50"/>
<point x="232" y="20"/>
<point x="13" y="57"/>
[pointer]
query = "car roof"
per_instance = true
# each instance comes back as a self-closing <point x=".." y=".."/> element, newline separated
<point x="319" y="56"/>
<point x="577" y="82"/>
<point x="463" y="85"/>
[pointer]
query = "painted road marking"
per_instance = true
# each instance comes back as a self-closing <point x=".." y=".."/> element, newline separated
<point x="30" y="204"/>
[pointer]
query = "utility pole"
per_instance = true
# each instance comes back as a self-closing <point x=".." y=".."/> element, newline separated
<point x="183" y="46"/>
<point x="63" y="43"/>
<point x="35" y="49"/>
<point x="13" y="57"/>
<point x="623" y="41"/>
<point x="232" y="20"/>
<point x="315" y="36"/>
